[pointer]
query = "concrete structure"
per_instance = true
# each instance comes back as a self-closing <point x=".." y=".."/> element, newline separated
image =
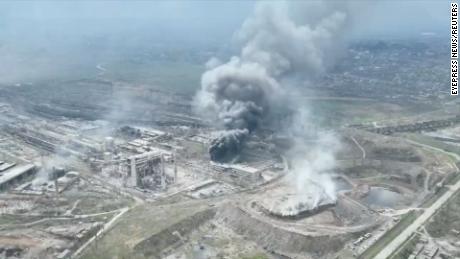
<point x="15" y="174"/>
<point x="64" y="182"/>
<point x="238" y="173"/>
<point x="56" y="172"/>
<point x="5" y="166"/>
<point x="147" y="170"/>
<point x="201" y="138"/>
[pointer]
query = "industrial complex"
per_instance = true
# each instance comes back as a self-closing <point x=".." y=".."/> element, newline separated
<point x="66" y="183"/>
<point x="279" y="147"/>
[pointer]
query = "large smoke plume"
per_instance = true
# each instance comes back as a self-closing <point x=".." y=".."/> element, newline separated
<point x="283" y="45"/>
<point x="280" y="40"/>
<point x="312" y="156"/>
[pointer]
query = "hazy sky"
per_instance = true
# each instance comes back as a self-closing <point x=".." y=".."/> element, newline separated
<point x="41" y="36"/>
<point x="403" y="18"/>
<point x="182" y="20"/>
<point x="195" y="20"/>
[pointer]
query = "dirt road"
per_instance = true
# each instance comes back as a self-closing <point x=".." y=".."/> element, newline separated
<point x="401" y="238"/>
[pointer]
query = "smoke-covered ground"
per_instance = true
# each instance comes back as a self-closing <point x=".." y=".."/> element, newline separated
<point x="55" y="161"/>
<point x="312" y="155"/>
<point x="283" y="45"/>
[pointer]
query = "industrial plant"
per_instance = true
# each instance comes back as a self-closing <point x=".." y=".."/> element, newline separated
<point x="298" y="141"/>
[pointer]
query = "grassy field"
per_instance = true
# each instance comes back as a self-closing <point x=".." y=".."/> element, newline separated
<point x="427" y="140"/>
<point x="336" y="111"/>
<point x="428" y="202"/>
<point x="7" y="219"/>
<point x="446" y="219"/>
<point x="178" y="77"/>
<point x="405" y="221"/>
<point x="407" y="248"/>
<point x="255" y="256"/>
<point x="136" y="225"/>
<point x="451" y="179"/>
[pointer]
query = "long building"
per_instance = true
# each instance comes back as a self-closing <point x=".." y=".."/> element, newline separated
<point x="15" y="174"/>
<point x="238" y="173"/>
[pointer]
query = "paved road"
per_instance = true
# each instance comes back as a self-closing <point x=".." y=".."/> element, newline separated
<point x="399" y="240"/>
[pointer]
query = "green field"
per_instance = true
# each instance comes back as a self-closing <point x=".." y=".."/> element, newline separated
<point x="446" y="219"/>
<point x="407" y="248"/>
<point x="136" y="225"/>
<point x="374" y="249"/>
<point x="335" y="111"/>
<point x="256" y="256"/>
<point x="427" y="140"/>
<point x="9" y="219"/>
<point x="180" y="77"/>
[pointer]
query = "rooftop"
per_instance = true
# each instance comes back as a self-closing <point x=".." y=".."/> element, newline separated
<point x="15" y="172"/>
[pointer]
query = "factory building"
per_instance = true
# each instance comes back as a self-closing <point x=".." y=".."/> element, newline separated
<point x="5" y="166"/>
<point x="15" y="174"/>
<point x="238" y="173"/>
<point x="147" y="171"/>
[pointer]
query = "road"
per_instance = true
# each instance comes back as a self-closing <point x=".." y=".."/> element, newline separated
<point x="403" y="236"/>
<point x="360" y="147"/>
<point x="434" y="148"/>
<point x="392" y="213"/>
<point x="66" y="217"/>
<point x="100" y="232"/>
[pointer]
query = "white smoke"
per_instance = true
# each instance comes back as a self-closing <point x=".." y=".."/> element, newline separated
<point x="57" y="160"/>
<point x="280" y="41"/>
<point x="312" y="157"/>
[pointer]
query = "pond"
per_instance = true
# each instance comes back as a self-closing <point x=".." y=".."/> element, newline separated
<point x="383" y="197"/>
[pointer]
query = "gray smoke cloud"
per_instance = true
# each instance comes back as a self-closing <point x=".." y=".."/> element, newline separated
<point x="280" y="40"/>
<point x="292" y="37"/>
<point x="229" y="144"/>
<point x="312" y="155"/>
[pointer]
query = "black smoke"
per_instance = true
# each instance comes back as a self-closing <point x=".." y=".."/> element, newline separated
<point x="239" y="93"/>
<point x="226" y="147"/>
<point x="280" y="40"/>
